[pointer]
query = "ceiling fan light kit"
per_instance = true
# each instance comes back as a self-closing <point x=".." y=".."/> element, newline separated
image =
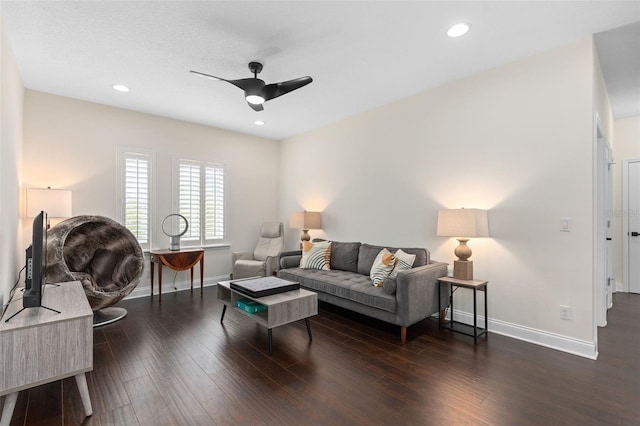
<point x="256" y="92"/>
<point x="254" y="99"/>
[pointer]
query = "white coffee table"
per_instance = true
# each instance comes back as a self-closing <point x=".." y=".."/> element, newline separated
<point x="282" y="308"/>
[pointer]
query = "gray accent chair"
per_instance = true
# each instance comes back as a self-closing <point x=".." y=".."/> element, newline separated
<point x="100" y="253"/>
<point x="263" y="261"/>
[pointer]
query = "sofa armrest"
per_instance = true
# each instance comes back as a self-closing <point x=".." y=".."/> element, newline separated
<point x="417" y="292"/>
<point x="289" y="259"/>
<point x="241" y="255"/>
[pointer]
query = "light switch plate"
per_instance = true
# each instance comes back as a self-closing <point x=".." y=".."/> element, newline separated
<point x="565" y="224"/>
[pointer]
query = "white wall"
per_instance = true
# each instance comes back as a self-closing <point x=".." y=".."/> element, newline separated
<point x="516" y="140"/>
<point x="11" y="95"/>
<point x="72" y="144"/>
<point x="626" y="145"/>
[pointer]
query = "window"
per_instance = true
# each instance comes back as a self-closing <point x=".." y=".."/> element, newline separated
<point x="135" y="194"/>
<point x="201" y="199"/>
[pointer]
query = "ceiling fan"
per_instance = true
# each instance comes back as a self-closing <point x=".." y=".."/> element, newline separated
<point x="256" y="92"/>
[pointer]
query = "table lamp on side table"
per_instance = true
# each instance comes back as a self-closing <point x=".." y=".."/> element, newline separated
<point x="462" y="224"/>
<point x="304" y="220"/>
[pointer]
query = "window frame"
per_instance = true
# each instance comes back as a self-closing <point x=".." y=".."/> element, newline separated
<point x="201" y="241"/>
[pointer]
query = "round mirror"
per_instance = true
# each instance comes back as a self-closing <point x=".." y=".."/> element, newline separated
<point x="175" y="226"/>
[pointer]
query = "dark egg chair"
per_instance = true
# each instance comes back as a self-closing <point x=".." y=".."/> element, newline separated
<point x="100" y="253"/>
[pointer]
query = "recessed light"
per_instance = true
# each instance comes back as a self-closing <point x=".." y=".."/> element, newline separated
<point x="120" y="88"/>
<point x="259" y="123"/>
<point x="458" y="30"/>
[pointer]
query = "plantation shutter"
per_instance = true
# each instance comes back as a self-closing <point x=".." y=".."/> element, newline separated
<point x="136" y="169"/>
<point x="201" y="199"/>
<point x="214" y="202"/>
<point x="189" y="197"/>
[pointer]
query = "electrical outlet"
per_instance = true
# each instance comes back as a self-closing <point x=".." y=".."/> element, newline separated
<point x="566" y="312"/>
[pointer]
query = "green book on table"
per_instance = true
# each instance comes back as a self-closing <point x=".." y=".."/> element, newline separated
<point x="250" y="306"/>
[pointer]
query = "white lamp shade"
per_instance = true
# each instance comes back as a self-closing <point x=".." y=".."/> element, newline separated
<point x="465" y="223"/>
<point x="55" y="202"/>
<point x="305" y="220"/>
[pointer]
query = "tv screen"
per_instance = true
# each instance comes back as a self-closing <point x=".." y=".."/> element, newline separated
<point x="36" y="257"/>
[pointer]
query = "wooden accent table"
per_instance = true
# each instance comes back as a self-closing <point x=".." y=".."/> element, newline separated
<point x="39" y="346"/>
<point x="282" y="308"/>
<point x="459" y="327"/>
<point x="178" y="260"/>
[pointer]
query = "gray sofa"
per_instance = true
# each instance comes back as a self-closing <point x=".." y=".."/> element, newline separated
<point x="409" y="298"/>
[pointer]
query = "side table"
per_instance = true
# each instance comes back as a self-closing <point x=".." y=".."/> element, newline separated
<point x="459" y="327"/>
<point x="178" y="260"/>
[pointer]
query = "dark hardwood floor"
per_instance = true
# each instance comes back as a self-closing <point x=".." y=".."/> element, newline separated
<point x="176" y="364"/>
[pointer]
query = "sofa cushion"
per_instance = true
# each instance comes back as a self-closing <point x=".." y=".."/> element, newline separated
<point x="382" y="267"/>
<point x="368" y="254"/>
<point x="315" y="255"/>
<point x="344" y="256"/>
<point x="348" y="285"/>
<point x="366" y="257"/>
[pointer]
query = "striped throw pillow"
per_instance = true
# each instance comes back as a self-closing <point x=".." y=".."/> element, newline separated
<point x="403" y="261"/>
<point x="316" y="255"/>
<point x="382" y="267"/>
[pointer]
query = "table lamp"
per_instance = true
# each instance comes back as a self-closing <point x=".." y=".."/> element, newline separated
<point x="55" y="202"/>
<point x="463" y="224"/>
<point x="305" y="220"/>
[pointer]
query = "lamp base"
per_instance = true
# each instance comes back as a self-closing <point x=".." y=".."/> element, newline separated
<point x="463" y="269"/>
<point x="304" y="237"/>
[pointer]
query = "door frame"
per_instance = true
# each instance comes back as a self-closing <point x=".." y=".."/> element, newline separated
<point x="601" y="173"/>
<point x="626" y="285"/>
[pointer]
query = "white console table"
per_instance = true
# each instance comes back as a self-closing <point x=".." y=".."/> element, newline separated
<point x="40" y="346"/>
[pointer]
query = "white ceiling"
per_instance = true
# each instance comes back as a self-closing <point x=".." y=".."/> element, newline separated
<point x="361" y="54"/>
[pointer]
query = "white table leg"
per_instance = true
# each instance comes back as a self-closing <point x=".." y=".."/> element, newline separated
<point x="7" y="410"/>
<point x="81" y="380"/>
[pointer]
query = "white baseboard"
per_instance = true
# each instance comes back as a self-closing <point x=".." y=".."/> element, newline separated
<point x="620" y="287"/>
<point x="168" y="286"/>
<point x="573" y="346"/>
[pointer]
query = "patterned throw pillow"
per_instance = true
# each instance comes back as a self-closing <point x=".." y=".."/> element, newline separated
<point x="382" y="267"/>
<point x="316" y="255"/>
<point x="403" y="261"/>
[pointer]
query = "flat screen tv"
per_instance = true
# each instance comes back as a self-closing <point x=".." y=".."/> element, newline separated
<point x="36" y="263"/>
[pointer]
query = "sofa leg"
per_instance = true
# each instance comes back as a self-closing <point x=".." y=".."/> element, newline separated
<point x="403" y="335"/>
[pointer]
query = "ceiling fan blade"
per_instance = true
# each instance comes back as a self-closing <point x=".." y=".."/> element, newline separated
<point x="274" y="90"/>
<point x="256" y="107"/>
<point x="211" y="77"/>
<point x="248" y="84"/>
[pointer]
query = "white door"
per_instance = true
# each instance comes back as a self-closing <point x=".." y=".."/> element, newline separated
<point x="632" y="194"/>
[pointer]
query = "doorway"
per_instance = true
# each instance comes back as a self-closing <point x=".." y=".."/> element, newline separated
<point x="631" y="224"/>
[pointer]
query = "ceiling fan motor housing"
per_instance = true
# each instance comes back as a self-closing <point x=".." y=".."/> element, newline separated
<point x="255" y="67"/>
